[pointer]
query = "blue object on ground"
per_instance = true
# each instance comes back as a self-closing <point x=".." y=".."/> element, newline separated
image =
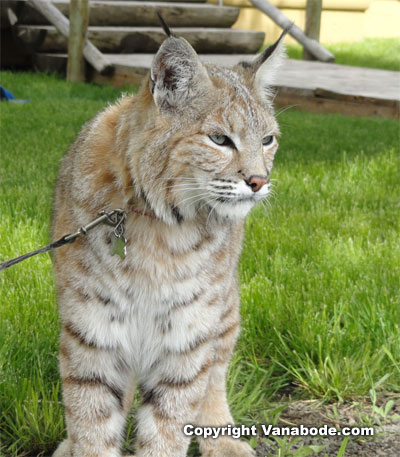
<point x="7" y="96"/>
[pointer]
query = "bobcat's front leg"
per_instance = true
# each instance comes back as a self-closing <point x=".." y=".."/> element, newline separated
<point x="215" y="409"/>
<point x="171" y="400"/>
<point x="96" y="402"/>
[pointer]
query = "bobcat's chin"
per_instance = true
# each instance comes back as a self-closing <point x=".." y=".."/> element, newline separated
<point x="235" y="209"/>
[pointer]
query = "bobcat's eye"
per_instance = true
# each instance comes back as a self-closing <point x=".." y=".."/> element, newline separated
<point x="267" y="140"/>
<point x="221" y="140"/>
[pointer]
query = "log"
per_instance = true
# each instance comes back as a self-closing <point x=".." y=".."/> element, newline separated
<point x="91" y="53"/>
<point x="314" y="103"/>
<point x="313" y="24"/>
<point x="144" y="13"/>
<point x="128" y="40"/>
<point x="78" y="24"/>
<point x="312" y="46"/>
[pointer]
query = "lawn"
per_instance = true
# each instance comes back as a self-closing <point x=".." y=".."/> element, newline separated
<point x="383" y="53"/>
<point x="319" y="271"/>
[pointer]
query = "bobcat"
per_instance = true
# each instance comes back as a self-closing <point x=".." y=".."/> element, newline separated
<point x="186" y="159"/>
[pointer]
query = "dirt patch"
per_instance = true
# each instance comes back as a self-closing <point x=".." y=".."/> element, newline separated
<point x="384" y="443"/>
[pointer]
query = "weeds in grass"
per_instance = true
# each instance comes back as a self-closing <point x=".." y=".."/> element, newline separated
<point x="273" y="415"/>
<point x="378" y="415"/>
<point x="382" y="414"/>
<point x="286" y="448"/>
<point x="343" y="447"/>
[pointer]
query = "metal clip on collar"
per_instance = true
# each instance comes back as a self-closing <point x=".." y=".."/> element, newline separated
<point x="116" y="218"/>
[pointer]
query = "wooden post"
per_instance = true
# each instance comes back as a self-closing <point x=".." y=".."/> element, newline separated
<point x="313" y="24"/>
<point x="61" y="23"/>
<point x="278" y="17"/>
<point x="78" y="24"/>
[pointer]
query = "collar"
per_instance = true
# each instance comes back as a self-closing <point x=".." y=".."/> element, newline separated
<point x="144" y="213"/>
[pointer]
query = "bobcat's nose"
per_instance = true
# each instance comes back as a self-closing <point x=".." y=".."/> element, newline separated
<point x="256" y="182"/>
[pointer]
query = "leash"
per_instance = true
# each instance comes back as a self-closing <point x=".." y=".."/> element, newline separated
<point x="115" y="218"/>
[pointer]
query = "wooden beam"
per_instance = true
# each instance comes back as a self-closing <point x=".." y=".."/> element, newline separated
<point x="346" y="106"/>
<point x="318" y="51"/>
<point x="313" y="24"/>
<point x="143" y="14"/>
<point x="78" y="24"/>
<point x="91" y="53"/>
<point x="128" y="40"/>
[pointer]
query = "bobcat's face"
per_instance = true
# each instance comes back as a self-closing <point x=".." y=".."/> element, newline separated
<point x="229" y="154"/>
<point x="222" y="134"/>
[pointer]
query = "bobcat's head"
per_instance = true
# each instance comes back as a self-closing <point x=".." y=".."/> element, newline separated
<point x="219" y="133"/>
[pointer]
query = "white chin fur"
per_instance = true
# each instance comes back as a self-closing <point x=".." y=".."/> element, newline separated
<point x="234" y="211"/>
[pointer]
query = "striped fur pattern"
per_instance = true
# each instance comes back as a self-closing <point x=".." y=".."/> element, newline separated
<point x="188" y="148"/>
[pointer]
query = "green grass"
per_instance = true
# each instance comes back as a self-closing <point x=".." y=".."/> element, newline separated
<point x="319" y="272"/>
<point x="321" y="275"/>
<point x="383" y="53"/>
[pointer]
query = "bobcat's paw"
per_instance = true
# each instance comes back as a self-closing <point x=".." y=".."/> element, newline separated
<point x="63" y="450"/>
<point x="229" y="448"/>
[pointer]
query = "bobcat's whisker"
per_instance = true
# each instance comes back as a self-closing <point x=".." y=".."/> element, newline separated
<point x="182" y="189"/>
<point x="192" y="197"/>
<point x="179" y="178"/>
<point x="206" y="202"/>
<point x="212" y="209"/>
<point x="266" y="211"/>
<point x="266" y="202"/>
<point x="182" y="186"/>
<point x="272" y="192"/>
<point x="285" y="108"/>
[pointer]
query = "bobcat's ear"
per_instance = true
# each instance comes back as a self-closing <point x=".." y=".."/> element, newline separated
<point x="264" y="68"/>
<point x="177" y="77"/>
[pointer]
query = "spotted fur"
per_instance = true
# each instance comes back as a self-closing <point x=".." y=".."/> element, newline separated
<point x="165" y="319"/>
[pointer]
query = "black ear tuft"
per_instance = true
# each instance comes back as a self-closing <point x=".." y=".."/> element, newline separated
<point x="164" y="25"/>
<point x="265" y="54"/>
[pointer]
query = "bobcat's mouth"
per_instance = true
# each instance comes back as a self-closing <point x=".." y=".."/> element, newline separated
<point x="234" y="201"/>
<point x="228" y="199"/>
<point x="232" y="208"/>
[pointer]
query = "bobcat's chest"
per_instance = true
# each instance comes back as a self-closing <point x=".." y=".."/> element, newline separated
<point x="170" y="289"/>
<point x="165" y="267"/>
<point x="170" y="264"/>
